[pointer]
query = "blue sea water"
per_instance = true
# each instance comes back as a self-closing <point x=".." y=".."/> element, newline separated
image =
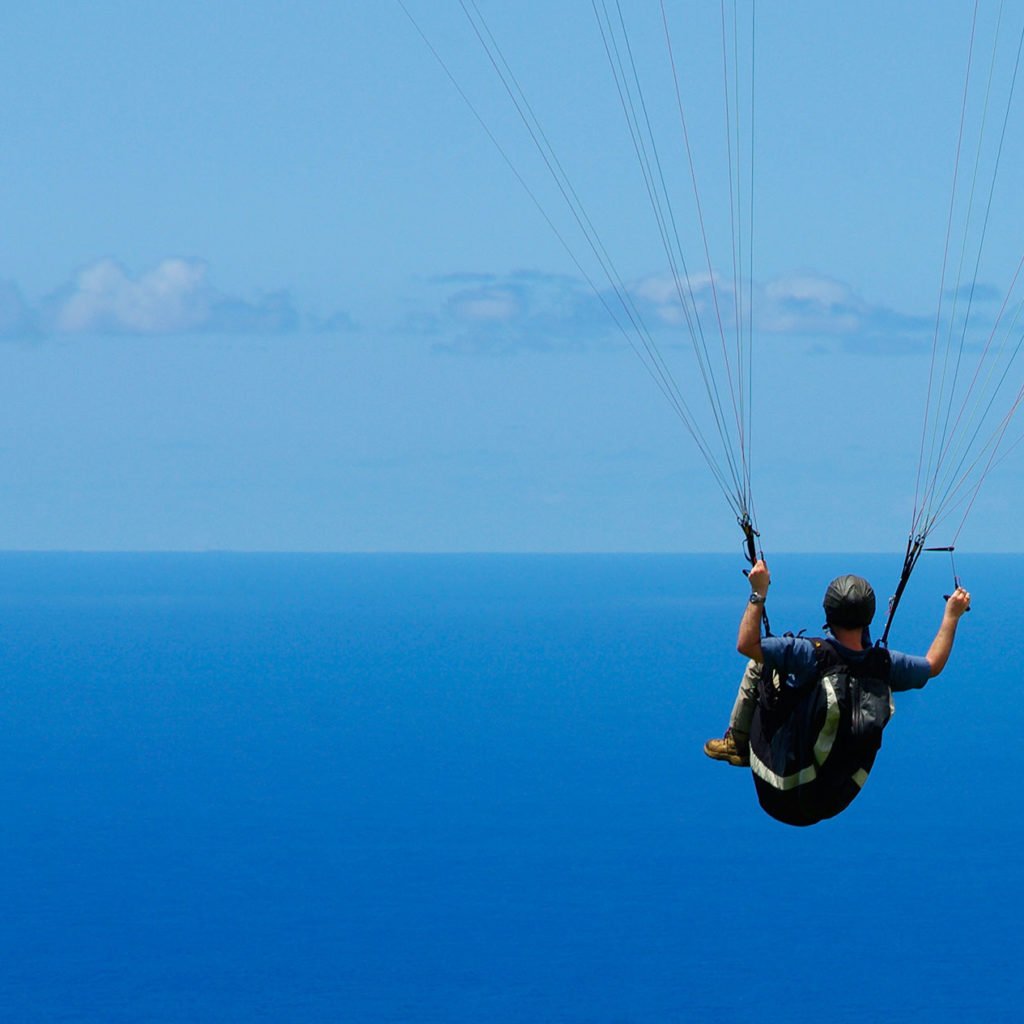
<point x="471" y="789"/>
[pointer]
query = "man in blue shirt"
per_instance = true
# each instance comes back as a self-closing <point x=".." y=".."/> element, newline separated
<point x="849" y="608"/>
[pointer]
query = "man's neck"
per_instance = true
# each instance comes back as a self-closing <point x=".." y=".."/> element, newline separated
<point x="852" y="639"/>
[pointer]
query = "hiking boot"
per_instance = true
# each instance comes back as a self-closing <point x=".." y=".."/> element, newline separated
<point x="733" y="748"/>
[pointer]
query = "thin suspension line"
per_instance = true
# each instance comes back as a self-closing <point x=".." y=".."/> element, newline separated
<point x="938" y="509"/>
<point x="1002" y="456"/>
<point x="978" y="421"/>
<point x="659" y="197"/>
<point x="750" y="249"/>
<point x="992" y="446"/>
<point x="665" y="221"/>
<point x="647" y="350"/>
<point x="638" y="327"/>
<point x="737" y="273"/>
<point x="951" y="433"/>
<point x="732" y="169"/>
<point x="963" y="253"/>
<point x="960" y="438"/>
<point x="952" y="496"/>
<point x="696" y="194"/>
<point x="942" y="275"/>
<point x="627" y="318"/>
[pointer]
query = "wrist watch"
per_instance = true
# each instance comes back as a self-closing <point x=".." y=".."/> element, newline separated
<point x="756" y="598"/>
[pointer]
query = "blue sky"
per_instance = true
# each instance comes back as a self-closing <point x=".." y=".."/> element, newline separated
<point x="266" y="284"/>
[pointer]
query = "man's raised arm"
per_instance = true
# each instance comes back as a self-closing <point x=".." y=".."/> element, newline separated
<point x="748" y="641"/>
<point x="938" y="654"/>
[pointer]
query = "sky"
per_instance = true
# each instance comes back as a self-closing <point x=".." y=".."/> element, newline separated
<point x="267" y="284"/>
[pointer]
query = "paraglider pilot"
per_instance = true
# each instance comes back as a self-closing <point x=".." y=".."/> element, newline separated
<point x="794" y="663"/>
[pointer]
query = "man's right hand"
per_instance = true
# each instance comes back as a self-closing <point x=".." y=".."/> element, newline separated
<point x="958" y="603"/>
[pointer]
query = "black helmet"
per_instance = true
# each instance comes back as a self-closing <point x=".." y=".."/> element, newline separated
<point x="849" y="602"/>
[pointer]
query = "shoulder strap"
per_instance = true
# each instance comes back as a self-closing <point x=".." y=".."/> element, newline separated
<point x="825" y="655"/>
<point x="875" y="664"/>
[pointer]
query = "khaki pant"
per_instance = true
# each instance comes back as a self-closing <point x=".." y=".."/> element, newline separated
<point x="746" y="700"/>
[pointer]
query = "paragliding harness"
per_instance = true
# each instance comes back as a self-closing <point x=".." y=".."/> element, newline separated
<point x="811" y="747"/>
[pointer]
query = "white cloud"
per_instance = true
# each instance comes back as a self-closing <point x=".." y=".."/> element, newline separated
<point x="175" y="297"/>
<point x="172" y="298"/>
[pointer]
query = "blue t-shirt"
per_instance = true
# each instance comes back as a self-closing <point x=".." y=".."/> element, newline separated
<point x="793" y="658"/>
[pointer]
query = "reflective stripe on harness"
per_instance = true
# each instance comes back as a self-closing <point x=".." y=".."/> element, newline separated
<point x="822" y="748"/>
<point x="783" y="782"/>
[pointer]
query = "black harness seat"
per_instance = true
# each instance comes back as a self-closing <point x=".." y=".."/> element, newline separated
<point x="812" y="747"/>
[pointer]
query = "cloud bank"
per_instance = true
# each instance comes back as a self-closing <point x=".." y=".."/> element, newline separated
<point x="534" y="311"/>
<point x="175" y="297"/>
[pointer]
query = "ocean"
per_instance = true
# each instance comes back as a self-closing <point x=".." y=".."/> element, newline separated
<point x="471" y="790"/>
